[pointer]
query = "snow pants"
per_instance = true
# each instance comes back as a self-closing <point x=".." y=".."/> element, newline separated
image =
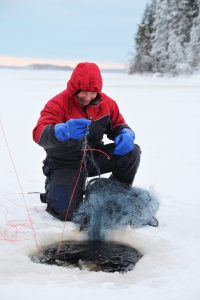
<point x="63" y="188"/>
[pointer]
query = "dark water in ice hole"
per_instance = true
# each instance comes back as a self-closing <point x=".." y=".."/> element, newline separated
<point x="90" y="255"/>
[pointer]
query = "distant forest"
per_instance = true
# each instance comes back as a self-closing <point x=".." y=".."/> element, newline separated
<point x="168" y="38"/>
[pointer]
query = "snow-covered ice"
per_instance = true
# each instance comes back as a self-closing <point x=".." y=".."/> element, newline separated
<point x="165" y="114"/>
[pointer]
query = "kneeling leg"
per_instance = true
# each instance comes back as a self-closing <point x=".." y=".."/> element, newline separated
<point x="64" y="193"/>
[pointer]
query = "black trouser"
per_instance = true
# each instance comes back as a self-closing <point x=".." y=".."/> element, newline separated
<point x="62" y="183"/>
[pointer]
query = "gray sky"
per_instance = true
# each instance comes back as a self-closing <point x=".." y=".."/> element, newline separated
<point x="71" y="29"/>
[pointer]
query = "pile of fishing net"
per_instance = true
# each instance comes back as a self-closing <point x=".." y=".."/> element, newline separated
<point x="109" y="204"/>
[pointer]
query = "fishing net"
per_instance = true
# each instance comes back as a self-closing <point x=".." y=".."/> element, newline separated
<point x="110" y="204"/>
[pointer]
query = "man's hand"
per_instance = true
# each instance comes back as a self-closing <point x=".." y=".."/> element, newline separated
<point x="73" y="129"/>
<point x="124" y="142"/>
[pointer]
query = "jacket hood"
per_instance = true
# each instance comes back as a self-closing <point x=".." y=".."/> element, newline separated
<point x="85" y="77"/>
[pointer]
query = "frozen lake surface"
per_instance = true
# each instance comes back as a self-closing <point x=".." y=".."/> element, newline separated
<point x="165" y="115"/>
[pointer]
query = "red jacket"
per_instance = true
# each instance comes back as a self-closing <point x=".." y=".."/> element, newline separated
<point x="102" y="111"/>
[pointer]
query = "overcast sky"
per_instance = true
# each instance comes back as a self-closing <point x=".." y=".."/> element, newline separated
<point x="101" y="30"/>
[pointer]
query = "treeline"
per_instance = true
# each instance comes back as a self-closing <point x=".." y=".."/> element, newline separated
<point x="168" y="38"/>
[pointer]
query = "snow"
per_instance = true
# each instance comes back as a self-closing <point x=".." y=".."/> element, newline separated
<point x="167" y="39"/>
<point x="165" y="114"/>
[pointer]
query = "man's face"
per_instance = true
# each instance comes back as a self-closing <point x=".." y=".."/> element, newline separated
<point x="85" y="97"/>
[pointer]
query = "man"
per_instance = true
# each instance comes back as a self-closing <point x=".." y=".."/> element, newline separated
<point x="72" y="121"/>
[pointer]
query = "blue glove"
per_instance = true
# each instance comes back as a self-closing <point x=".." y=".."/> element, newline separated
<point x="73" y="129"/>
<point x="124" y="142"/>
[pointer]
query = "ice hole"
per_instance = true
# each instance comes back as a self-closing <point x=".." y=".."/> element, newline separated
<point x="90" y="255"/>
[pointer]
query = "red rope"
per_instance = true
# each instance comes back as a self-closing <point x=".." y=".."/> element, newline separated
<point x="21" y="189"/>
<point x="74" y="189"/>
<point x="70" y="201"/>
<point x="18" y="224"/>
<point x="12" y="228"/>
<point x="91" y="149"/>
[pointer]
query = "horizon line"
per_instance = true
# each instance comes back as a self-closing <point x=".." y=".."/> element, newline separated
<point x="25" y="61"/>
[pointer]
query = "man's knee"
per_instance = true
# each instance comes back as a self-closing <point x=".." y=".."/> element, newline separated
<point x="62" y="195"/>
<point x="136" y="152"/>
<point x="61" y="203"/>
<point x="63" y="213"/>
<point x="133" y="156"/>
<point x="58" y="214"/>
